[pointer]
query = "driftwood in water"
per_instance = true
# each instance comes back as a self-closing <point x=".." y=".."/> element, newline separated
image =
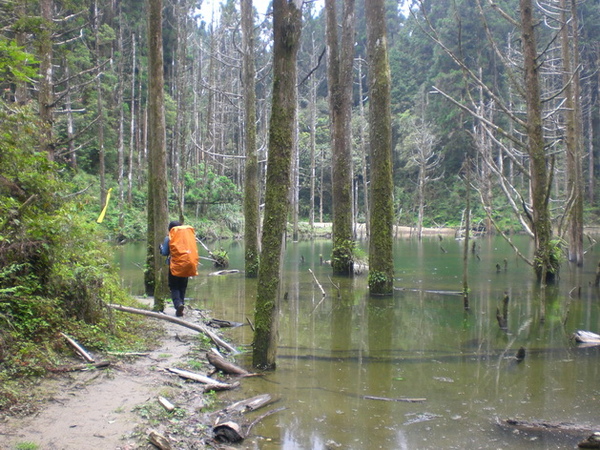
<point x="593" y="441"/>
<point x="193" y="326"/>
<point x="224" y="272"/>
<point x="223" y="365"/>
<point x="317" y="281"/>
<point x="503" y="318"/>
<point x="219" y="323"/>
<point x="79" y="349"/>
<point x="597" y="279"/>
<point x="426" y="291"/>
<point x="249" y="404"/>
<point x="559" y="427"/>
<point x="159" y="440"/>
<point x="401" y="399"/>
<point x="219" y="260"/>
<point x="586" y="338"/>
<point x="210" y="383"/>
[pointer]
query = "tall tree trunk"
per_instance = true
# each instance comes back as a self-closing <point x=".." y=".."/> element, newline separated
<point x="546" y="263"/>
<point x="121" y="132"/>
<point x="313" y="139"/>
<point x="287" y="24"/>
<point x="251" y="194"/>
<point x="132" y="128"/>
<point x="45" y="95"/>
<point x="340" y="76"/>
<point x="573" y="139"/>
<point x="363" y="149"/>
<point x="99" y="105"/>
<point x="381" y="263"/>
<point x="157" y="155"/>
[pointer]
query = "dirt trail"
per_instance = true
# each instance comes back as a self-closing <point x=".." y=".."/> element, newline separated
<point x="96" y="409"/>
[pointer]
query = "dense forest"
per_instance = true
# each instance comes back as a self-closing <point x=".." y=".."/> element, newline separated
<point x="93" y="97"/>
<point x="479" y="111"/>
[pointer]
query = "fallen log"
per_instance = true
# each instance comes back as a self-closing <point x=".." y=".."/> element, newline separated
<point x="586" y="337"/>
<point x="562" y="427"/>
<point x="228" y="433"/>
<point x="193" y="326"/>
<point x="400" y="399"/>
<point x="249" y="404"/>
<point x="79" y="349"/>
<point x="211" y="384"/>
<point x="223" y="365"/>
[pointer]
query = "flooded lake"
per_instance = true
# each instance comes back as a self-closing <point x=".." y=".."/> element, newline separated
<point x="414" y="370"/>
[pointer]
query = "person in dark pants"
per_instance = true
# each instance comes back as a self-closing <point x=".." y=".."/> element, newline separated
<point x="177" y="285"/>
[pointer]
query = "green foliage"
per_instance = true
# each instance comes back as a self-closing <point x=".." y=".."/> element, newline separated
<point x="205" y="187"/>
<point x="27" y="446"/>
<point x="56" y="269"/>
<point x="16" y="64"/>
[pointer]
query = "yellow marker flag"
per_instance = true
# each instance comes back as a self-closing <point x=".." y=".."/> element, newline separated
<point x="103" y="213"/>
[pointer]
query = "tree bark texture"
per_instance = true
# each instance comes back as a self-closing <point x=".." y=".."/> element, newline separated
<point x="251" y="192"/>
<point x="157" y="152"/>
<point x="287" y="22"/>
<point x="340" y="53"/>
<point x="573" y="138"/>
<point x="545" y="264"/>
<point x="381" y="264"/>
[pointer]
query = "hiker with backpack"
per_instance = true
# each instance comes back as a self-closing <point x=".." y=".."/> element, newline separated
<point x="182" y="256"/>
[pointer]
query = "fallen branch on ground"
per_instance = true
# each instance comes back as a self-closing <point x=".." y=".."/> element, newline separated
<point x="159" y="440"/>
<point x="85" y="355"/>
<point x="211" y="384"/>
<point x="223" y="365"/>
<point x="166" y="404"/>
<point x="193" y="326"/>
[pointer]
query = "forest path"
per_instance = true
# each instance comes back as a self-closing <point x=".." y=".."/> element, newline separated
<point x="98" y="409"/>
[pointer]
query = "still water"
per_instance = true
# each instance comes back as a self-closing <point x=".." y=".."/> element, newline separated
<point x="337" y="352"/>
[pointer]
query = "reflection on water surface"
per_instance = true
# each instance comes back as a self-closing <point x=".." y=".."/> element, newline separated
<point x="348" y="363"/>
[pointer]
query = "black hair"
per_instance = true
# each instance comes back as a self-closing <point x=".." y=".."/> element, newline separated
<point x="174" y="223"/>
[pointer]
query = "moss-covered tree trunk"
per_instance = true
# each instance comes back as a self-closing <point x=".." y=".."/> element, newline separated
<point x="546" y="264"/>
<point x="381" y="263"/>
<point x="157" y="156"/>
<point x="287" y="23"/>
<point x="251" y="199"/>
<point x="339" y="65"/>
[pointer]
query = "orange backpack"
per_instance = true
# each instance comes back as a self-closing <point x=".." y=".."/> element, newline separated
<point x="184" y="251"/>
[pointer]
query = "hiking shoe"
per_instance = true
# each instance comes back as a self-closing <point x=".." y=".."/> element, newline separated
<point x="179" y="312"/>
